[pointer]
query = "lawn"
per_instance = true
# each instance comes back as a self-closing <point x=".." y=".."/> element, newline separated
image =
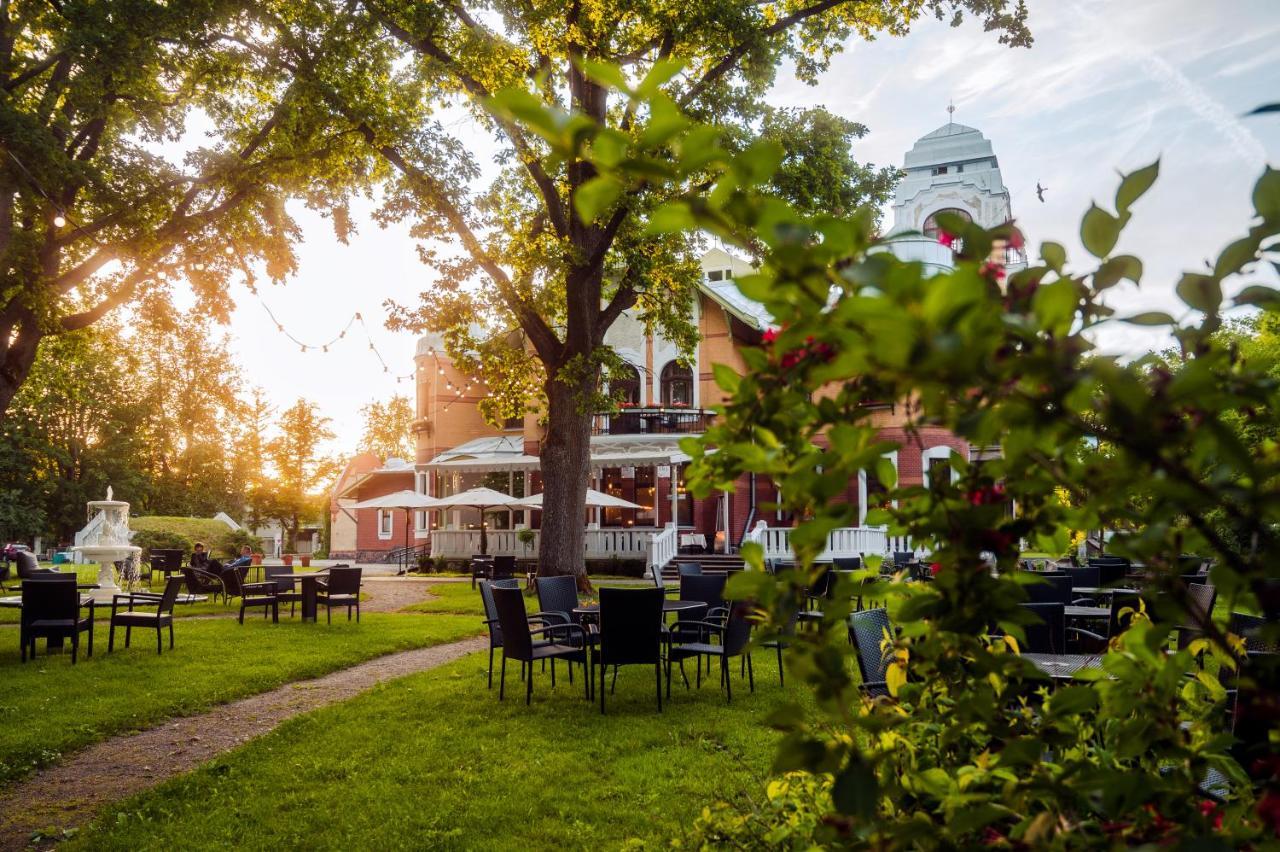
<point x="48" y="707"/>
<point x="435" y="761"/>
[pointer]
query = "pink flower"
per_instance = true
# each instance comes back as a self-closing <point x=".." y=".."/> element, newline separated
<point x="946" y="239"/>
<point x="992" y="271"/>
<point x="770" y="335"/>
<point x="934" y="568"/>
<point x="1016" y="240"/>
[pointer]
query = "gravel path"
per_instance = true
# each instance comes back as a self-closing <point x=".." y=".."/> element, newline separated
<point x="71" y="793"/>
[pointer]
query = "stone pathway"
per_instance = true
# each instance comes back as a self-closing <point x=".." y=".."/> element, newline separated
<point x="71" y="793"/>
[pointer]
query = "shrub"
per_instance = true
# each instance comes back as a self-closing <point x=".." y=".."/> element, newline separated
<point x="162" y="540"/>
<point x="227" y="544"/>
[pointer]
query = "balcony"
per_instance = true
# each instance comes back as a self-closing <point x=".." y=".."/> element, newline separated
<point x="652" y="421"/>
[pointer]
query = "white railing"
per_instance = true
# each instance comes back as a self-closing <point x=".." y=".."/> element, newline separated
<point x="663" y="547"/>
<point x="841" y="543"/>
<point x="597" y="544"/>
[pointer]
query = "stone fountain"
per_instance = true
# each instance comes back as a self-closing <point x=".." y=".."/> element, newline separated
<point x="107" y="541"/>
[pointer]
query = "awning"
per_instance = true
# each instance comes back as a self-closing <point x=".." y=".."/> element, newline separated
<point x="484" y="462"/>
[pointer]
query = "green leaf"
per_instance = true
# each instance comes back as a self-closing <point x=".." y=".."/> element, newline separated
<point x="1256" y="294"/>
<point x="661" y="73"/>
<point x="726" y="377"/>
<point x="886" y="472"/>
<point x="665" y="121"/>
<point x="1235" y="256"/>
<point x="1072" y="700"/>
<point x="1055" y="304"/>
<point x="609" y="147"/>
<point x="605" y="73"/>
<point x="855" y="791"/>
<point x="1202" y="292"/>
<point x="674" y="217"/>
<point x="1134" y="186"/>
<point x="1266" y="194"/>
<point x="1099" y="231"/>
<point x="1150" y="318"/>
<point x="596" y="196"/>
<point x="1112" y="270"/>
<point x="759" y="162"/>
<point x="1054" y="255"/>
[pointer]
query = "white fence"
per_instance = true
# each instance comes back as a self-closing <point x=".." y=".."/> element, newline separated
<point x="643" y="544"/>
<point x="841" y="543"/>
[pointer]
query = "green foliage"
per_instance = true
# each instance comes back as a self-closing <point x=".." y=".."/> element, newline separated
<point x="388" y="428"/>
<point x="301" y="470"/>
<point x="972" y="746"/>
<point x="162" y="539"/>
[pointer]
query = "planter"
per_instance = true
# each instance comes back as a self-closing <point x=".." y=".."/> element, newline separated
<point x="287" y="558"/>
<point x="255" y="559"/>
<point x="306" y="561"/>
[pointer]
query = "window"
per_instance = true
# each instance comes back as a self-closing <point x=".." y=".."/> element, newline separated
<point x="715" y="275"/>
<point x="384" y="523"/>
<point x="422" y="516"/>
<point x="959" y="168"/>
<point x="931" y="229"/>
<point x="939" y="170"/>
<point x="936" y="465"/>
<point x="677" y="384"/>
<point x="684" y="501"/>
<point x="636" y="485"/>
<point x="626" y="385"/>
<point x="872" y="493"/>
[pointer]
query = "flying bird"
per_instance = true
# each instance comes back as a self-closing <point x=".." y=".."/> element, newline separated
<point x="1040" y="190"/>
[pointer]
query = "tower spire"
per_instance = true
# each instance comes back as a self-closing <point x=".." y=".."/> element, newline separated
<point x="951" y="112"/>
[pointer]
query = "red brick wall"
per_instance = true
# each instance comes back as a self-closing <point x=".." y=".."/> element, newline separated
<point x="367" y="519"/>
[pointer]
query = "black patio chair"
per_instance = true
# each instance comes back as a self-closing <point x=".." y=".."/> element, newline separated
<point x="1048" y="635"/>
<point x="481" y="568"/>
<point x="491" y="617"/>
<point x="341" y="589"/>
<point x="131" y="618"/>
<point x="27" y="567"/>
<point x="1249" y="628"/>
<point x="660" y="582"/>
<point x="847" y="563"/>
<point x="51" y="610"/>
<point x="868" y="632"/>
<point x="518" y="643"/>
<point x="707" y="589"/>
<point x="1123" y="609"/>
<point x="903" y="558"/>
<point x="504" y="567"/>
<point x="200" y="582"/>
<point x="286" y="591"/>
<point x="1085" y="577"/>
<point x="783" y="641"/>
<point x="821" y="590"/>
<point x="690" y="569"/>
<point x="1054" y="588"/>
<point x="265" y="594"/>
<point x="1200" y="599"/>
<point x="694" y="639"/>
<point x="557" y="598"/>
<point x="630" y="634"/>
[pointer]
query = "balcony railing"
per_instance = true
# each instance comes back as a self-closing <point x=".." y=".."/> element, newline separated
<point x="653" y="421"/>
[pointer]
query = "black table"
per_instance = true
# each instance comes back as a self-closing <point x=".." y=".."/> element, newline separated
<point x="1103" y="591"/>
<point x="55" y="642"/>
<point x="667" y="606"/>
<point x="1063" y="666"/>
<point x="310" y="587"/>
<point x="1087" y="611"/>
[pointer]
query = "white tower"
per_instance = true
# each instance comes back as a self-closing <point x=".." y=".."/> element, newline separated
<point x="952" y="169"/>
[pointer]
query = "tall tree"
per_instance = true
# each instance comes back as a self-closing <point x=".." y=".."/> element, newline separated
<point x="561" y="250"/>
<point x="251" y="457"/>
<point x="387" y="428"/>
<point x="301" y="469"/>
<point x="103" y="200"/>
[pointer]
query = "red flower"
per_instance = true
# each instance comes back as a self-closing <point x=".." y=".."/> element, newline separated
<point x="1269" y="810"/>
<point x="1209" y="809"/>
<point x="770" y="335"/>
<point x="789" y="360"/>
<point x="1016" y="239"/>
<point x="934" y="568"/>
<point x="995" y="540"/>
<point x="946" y="239"/>
<point x="992" y="271"/>
<point x="987" y="495"/>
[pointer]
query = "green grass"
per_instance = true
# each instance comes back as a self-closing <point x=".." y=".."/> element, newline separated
<point x="205" y="530"/>
<point x="435" y="761"/>
<point x="458" y="598"/>
<point x="48" y="707"/>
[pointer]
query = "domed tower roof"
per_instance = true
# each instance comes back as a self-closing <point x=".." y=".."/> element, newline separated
<point x="951" y="168"/>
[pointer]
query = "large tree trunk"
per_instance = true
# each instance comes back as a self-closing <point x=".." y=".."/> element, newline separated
<point x="566" y="466"/>
<point x="19" y="339"/>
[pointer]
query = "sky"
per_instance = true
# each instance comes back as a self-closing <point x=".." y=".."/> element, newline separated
<point x="1107" y="86"/>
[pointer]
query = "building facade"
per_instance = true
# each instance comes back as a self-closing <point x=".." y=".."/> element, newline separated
<point x="635" y="451"/>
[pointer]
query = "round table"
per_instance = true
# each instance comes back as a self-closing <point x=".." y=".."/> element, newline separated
<point x="309" y="590"/>
<point x="667" y="606"/>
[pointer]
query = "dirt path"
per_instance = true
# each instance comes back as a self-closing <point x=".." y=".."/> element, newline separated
<point x="70" y="794"/>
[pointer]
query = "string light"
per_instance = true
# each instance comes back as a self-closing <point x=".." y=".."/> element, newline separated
<point x="59" y="221"/>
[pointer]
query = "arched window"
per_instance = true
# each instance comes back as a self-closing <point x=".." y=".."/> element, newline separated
<point x="625" y="385"/>
<point x="677" y="384"/>
<point x="931" y="229"/>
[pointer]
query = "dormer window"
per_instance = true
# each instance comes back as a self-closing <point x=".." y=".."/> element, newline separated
<point x="939" y="170"/>
<point x="715" y="275"/>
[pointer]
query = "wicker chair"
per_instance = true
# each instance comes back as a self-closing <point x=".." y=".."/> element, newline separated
<point x="200" y="582"/>
<point x="341" y="589"/>
<point x="131" y="618"/>
<point x="694" y="639"/>
<point x="1048" y="635"/>
<point x="491" y="617"/>
<point x="518" y="643"/>
<point x="51" y="610"/>
<point x="868" y="630"/>
<point x="1200" y="599"/>
<point x="630" y="634"/>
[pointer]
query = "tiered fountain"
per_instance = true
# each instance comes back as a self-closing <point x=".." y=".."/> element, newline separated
<point x="107" y="542"/>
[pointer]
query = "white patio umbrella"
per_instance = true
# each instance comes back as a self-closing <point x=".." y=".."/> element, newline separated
<point x="407" y="500"/>
<point x="595" y="500"/>
<point x="482" y="499"/>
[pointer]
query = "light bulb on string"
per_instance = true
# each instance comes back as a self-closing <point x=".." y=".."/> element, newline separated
<point x="59" y="221"/>
<point x="304" y="347"/>
<point x="230" y="250"/>
<point x="324" y="348"/>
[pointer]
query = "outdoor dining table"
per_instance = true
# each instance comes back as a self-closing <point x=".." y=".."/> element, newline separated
<point x="310" y="586"/>
<point x="1087" y="611"/>
<point x="1103" y="591"/>
<point x="667" y="606"/>
<point x="1063" y="666"/>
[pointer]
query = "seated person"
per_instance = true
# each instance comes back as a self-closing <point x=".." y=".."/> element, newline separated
<point x="245" y="558"/>
<point x="201" y="560"/>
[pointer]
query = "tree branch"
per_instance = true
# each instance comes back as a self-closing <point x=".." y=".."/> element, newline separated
<point x="33" y="72"/>
<point x="730" y="59"/>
